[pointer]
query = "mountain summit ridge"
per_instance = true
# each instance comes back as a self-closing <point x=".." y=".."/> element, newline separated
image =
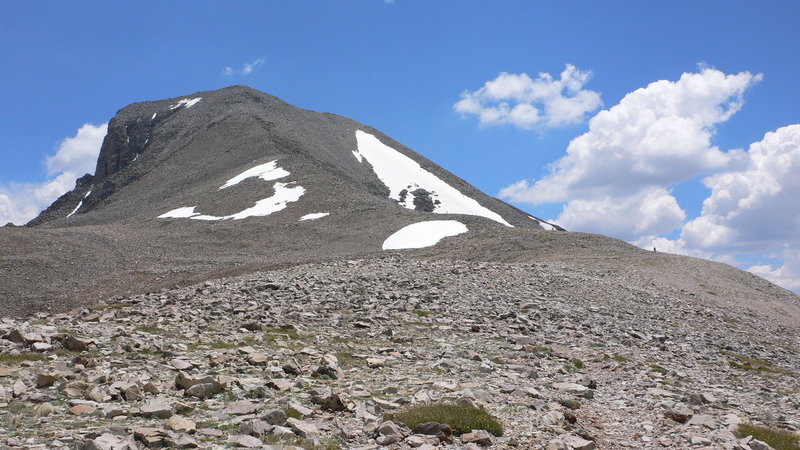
<point x="209" y="135"/>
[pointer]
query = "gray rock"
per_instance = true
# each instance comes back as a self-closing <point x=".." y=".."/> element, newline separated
<point x="244" y="440"/>
<point x="389" y="433"/>
<point x="570" y="441"/>
<point x="255" y="427"/>
<point x="329" y="366"/>
<point x="181" y="424"/>
<point x="433" y="429"/>
<point x="156" y="409"/>
<point x="109" y="441"/>
<point x="303" y="428"/>
<point x="274" y="417"/>
<point x="480" y="437"/>
<point x="703" y="420"/>
<point x="755" y="444"/>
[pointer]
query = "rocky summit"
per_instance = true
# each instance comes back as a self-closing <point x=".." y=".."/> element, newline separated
<point x="239" y="272"/>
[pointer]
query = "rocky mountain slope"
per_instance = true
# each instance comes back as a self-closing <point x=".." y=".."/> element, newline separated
<point x="235" y="259"/>
<point x="562" y="355"/>
<point x="195" y="186"/>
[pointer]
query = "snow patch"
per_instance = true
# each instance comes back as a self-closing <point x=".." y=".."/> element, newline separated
<point x="402" y="175"/>
<point x="284" y="194"/>
<point x="314" y="216"/>
<point x="80" y="203"/>
<point x="188" y="103"/>
<point x="543" y="224"/>
<point x="154" y="116"/>
<point x="267" y="172"/>
<point x="180" y="213"/>
<point x="423" y="234"/>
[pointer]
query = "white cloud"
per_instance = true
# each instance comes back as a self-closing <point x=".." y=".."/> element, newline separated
<point x="247" y="68"/>
<point x="754" y="209"/>
<point x="787" y="275"/>
<point x="656" y="136"/>
<point x="649" y="212"/>
<point x="756" y="204"/>
<point x="76" y="156"/>
<point x="528" y="103"/>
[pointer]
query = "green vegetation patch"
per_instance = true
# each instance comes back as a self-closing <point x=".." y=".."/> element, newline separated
<point x="541" y="350"/>
<point x="747" y="363"/>
<point x="271" y="333"/>
<point x="422" y="312"/>
<point x="347" y="360"/>
<point x="777" y="439"/>
<point x="6" y="358"/>
<point x="462" y="419"/>
<point x="292" y="413"/>
<point x="569" y="403"/>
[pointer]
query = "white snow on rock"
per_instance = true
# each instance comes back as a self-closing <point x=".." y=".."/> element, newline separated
<point x="267" y="172"/>
<point x="423" y="234"/>
<point x="154" y="116"/>
<point x="180" y="213"/>
<point x="80" y="203"/>
<point x="543" y="224"/>
<point x="185" y="102"/>
<point x="314" y="216"/>
<point x="284" y="194"/>
<point x="401" y="173"/>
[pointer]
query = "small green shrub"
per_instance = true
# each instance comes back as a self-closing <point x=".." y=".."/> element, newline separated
<point x="777" y="439"/>
<point x="347" y="360"/>
<point x="422" y="312"/>
<point x="288" y="332"/>
<point x="541" y="350"/>
<point x="462" y="419"/>
<point x="569" y="403"/>
<point x="747" y="363"/>
<point x="292" y="413"/>
<point x="16" y="359"/>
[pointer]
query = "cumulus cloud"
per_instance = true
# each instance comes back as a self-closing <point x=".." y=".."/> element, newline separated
<point x="787" y="275"/>
<point x="649" y="212"/>
<point x="247" y="68"/>
<point x="75" y="156"/>
<point x="528" y="103"/>
<point x="762" y="200"/>
<point x="656" y="136"/>
<point x="754" y="209"/>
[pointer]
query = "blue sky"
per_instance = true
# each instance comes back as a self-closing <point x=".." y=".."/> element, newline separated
<point x="725" y="74"/>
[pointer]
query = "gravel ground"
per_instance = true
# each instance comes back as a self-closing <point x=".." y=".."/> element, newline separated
<point x="563" y="355"/>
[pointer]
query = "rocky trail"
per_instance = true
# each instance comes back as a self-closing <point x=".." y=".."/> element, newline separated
<point x="315" y="356"/>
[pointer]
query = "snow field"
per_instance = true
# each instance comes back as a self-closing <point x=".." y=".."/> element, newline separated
<point x="284" y="194"/>
<point x="397" y="171"/>
<point x="314" y="216"/>
<point x="423" y="234"/>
